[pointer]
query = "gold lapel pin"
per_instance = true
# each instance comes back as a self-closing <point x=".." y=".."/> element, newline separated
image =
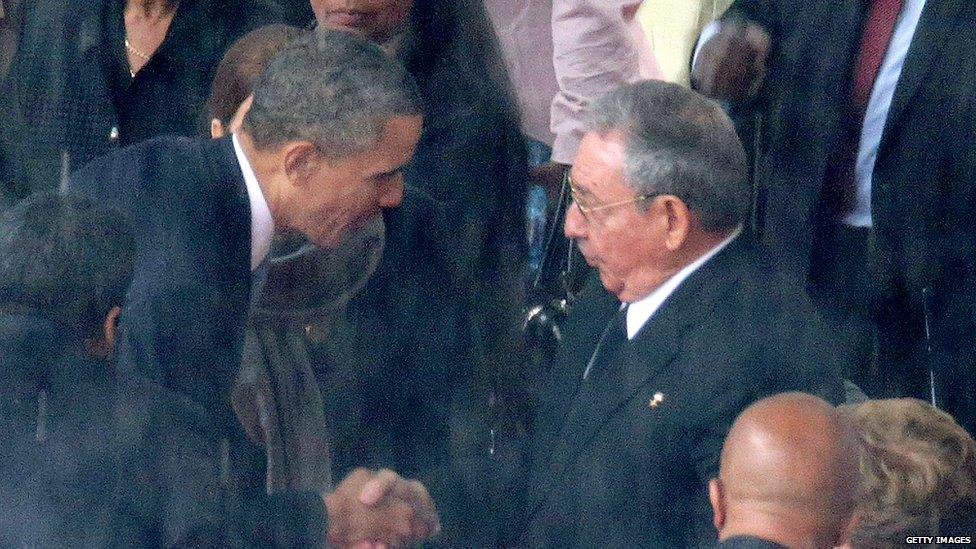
<point x="656" y="400"/>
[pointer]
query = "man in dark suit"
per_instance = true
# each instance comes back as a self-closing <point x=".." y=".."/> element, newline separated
<point x="332" y="123"/>
<point x="632" y="417"/>
<point x="866" y="173"/>
<point x="788" y="476"/>
<point x="65" y="268"/>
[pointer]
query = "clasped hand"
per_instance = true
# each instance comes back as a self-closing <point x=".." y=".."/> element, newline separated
<point x="380" y="509"/>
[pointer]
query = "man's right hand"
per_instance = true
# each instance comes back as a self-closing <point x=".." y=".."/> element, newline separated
<point x="732" y="64"/>
<point x="380" y="507"/>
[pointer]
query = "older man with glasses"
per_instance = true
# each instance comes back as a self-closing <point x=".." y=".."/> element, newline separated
<point x="687" y="329"/>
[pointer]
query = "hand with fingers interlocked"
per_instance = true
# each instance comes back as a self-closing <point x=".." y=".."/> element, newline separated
<point x="380" y="509"/>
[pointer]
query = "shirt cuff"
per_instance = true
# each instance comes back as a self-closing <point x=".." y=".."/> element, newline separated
<point x="707" y="33"/>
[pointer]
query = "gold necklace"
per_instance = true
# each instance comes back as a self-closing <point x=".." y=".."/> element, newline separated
<point x="132" y="49"/>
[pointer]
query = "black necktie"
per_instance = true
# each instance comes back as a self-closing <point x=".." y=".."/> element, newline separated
<point x="614" y="336"/>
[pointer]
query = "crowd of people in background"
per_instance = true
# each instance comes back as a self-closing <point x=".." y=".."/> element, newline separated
<point x="487" y="273"/>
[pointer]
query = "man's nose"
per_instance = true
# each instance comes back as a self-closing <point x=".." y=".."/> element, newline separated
<point x="575" y="225"/>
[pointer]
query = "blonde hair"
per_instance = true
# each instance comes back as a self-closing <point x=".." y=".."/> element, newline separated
<point x="918" y="471"/>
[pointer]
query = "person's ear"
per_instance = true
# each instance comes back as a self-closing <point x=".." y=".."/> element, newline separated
<point x="301" y="158"/>
<point x="102" y="347"/>
<point x="675" y="218"/>
<point x="237" y="121"/>
<point x="216" y="129"/>
<point x="717" y="498"/>
<point x="111" y="325"/>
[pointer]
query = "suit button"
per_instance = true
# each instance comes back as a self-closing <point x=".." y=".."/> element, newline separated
<point x="113" y="134"/>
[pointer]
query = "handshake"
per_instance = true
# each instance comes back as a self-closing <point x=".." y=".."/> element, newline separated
<point x="379" y="510"/>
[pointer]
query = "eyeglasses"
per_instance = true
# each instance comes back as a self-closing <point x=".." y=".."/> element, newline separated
<point x="587" y="211"/>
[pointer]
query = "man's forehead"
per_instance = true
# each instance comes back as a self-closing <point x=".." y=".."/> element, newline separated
<point x="395" y="145"/>
<point x="600" y="158"/>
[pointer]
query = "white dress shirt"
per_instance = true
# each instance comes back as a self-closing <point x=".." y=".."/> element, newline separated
<point x="876" y="114"/>
<point x="262" y="224"/>
<point x="639" y="312"/>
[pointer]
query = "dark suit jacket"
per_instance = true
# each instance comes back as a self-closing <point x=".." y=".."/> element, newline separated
<point x="612" y="469"/>
<point x="183" y="321"/>
<point x="923" y="191"/>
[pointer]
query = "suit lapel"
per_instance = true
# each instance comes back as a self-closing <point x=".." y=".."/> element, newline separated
<point x="939" y="17"/>
<point x="581" y="335"/>
<point x="649" y="352"/>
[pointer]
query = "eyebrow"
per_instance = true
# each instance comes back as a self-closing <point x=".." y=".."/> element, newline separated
<point x="388" y="173"/>
<point x="579" y="189"/>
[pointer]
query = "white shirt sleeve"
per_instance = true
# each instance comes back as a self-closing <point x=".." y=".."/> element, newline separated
<point x="707" y="33"/>
<point x="597" y="45"/>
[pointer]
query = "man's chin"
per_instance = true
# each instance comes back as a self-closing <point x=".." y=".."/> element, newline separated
<point x="360" y="222"/>
<point x="613" y="285"/>
<point x="328" y="241"/>
<point x="591" y="261"/>
<point x="334" y="239"/>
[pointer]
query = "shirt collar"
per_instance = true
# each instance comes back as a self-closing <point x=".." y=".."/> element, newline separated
<point x="262" y="224"/>
<point x="639" y="312"/>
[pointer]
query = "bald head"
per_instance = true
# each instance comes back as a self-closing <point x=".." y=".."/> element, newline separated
<point x="789" y="467"/>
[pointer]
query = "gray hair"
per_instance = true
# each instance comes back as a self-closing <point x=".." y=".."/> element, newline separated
<point x="680" y="143"/>
<point x="332" y="88"/>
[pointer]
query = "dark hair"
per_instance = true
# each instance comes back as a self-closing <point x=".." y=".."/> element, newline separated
<point x="452" y="44"/>
<point x="66" y="258"/>
<point x="332" y="88"/>
<point x="241" y="65"/>
<point x="678" y="142"/>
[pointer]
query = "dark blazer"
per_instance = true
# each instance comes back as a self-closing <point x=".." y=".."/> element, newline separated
<point x="923" y="191"/>
<point x="183" y="323"/>
<point x="186" y="202"/>
<point x="613" y="468"/>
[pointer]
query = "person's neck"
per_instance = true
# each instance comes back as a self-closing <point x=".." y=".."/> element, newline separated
<point x="696" y="245"/>
<point x="152" y="9"/>
<point x="787" y="529"/>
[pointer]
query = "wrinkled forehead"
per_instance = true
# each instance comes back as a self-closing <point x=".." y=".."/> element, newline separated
<point x="599" y="161"/>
